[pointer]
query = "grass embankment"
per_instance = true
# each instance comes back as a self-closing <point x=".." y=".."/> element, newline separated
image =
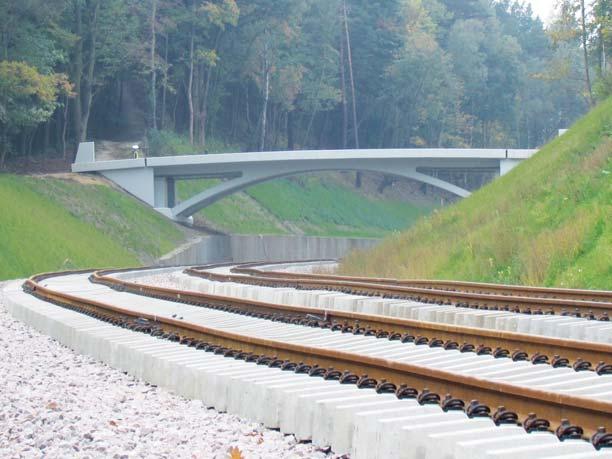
<point x="548" y="222"/>
<point x="49" y="224"/>
<point x="306" y="205"/>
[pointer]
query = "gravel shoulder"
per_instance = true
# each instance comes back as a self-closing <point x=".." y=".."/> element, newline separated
<point x="56" y="403"/>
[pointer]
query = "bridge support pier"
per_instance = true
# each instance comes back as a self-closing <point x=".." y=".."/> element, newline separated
<point x="165" y="192"/>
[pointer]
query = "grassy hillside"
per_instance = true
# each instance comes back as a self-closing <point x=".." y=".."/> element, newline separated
<point x="313" y="205"/>
<point x="548" y="222"/>
<point x="50" y="224"/>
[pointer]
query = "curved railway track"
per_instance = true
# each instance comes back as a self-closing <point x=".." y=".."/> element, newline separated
<point x="254" y="269"/>
<point x="425" y="383"/>
<point x="595" y="310"/>
<point x="581" y="355"/>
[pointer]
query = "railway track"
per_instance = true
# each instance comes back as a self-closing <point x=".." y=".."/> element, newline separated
<point x="299" y="340"/>
<point x="520" y="301"/>
<point x="256" y="270"/>
<point x="577" y="354"/>
<point x="566" y="327"/>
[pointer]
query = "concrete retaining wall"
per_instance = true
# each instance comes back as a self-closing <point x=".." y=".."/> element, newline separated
<point x="217" y="249"/>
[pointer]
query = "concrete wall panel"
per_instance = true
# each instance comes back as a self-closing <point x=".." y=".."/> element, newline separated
<point x="243" y="248"/>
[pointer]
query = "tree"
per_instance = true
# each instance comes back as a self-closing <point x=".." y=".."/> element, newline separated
<point x="203" y="19"/>
<point x="602" y="18"/>
<point x="27" y="98"/>
<point x="266" y="74"/>
<point x="105" y="46"/>
<point x="349" y="58"/>
<point x="585" y="50"/>
<point x="315" y="61"/>
<point x="153" y="53"/>
<point x="572" y="26"/>
<point x="422" y="88"/>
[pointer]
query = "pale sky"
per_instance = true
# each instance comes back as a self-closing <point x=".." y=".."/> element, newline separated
<point x="543" y="9"/>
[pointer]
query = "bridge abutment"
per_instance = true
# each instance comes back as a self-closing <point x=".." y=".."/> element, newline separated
<point x="506" y="165"/>
<point x="138" y="181"/>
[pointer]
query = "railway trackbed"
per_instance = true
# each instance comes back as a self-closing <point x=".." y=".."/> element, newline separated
<point x="356" y="350"/>
<point x="580" y="355"/>
<point x="506" y="298"/>
<point x="605" y="296"/>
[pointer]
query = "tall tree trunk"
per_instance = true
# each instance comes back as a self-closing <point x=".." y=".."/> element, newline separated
<point x="264" y="108"/>
<point x="190" y="85"/>
<point x="77" y="73"/>
<point x="343" y="93"/>
<point x="165" y="84"/>
<point x="585" y="50"/>
<point x="351" y="78"/>
<point x="120" y="99"/>
<point x="204" y="107"/>
<point x="174" y="109"/>
<point x="273" y="131"/>
<point x="64" y="129"/>
<point x="30" y="140"/>
<point x="91" y="64"/>
<point x="235" y="101"/>
<point x="248" y="108"/>
<point x="352" y="82"/>
<point x="290" y="131"/>
<point x="46" y="136"/>
<point x="314" y="111"/>
<point x="204" y="111"/>
<point x="153" y="65"/>
<point x="197" y="87"/>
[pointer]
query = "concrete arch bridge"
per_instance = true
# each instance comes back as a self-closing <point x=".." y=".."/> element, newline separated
<point x="153" y="179"/>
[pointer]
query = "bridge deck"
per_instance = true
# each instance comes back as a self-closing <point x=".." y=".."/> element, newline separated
<point x="170" y="165"/>
<point x="153" y="179"/>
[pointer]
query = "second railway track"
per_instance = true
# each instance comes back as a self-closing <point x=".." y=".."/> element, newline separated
<point x="520" y="301"/>
<point x="578" y="354"/>
<point x="605" y="296"/>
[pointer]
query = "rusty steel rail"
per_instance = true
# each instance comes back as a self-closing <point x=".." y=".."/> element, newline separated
<point x="516" y="403"/>
<point x="597" y="310"/>
<point x="582" y="355"/>
<point x="605" y="296"/>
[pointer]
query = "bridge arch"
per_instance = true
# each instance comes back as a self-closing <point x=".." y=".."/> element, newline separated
<point x="230" y="186"/>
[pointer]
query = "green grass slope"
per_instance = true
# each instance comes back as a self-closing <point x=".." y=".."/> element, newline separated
<point x="548" y="222"/>
<point x="50" y="224"/>
<point x="312" y="205"/>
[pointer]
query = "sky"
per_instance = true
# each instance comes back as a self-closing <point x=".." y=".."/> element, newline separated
<point x="543" y="8"/>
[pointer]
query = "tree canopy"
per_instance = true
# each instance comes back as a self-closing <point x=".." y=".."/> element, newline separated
<point x="271" y="74"/>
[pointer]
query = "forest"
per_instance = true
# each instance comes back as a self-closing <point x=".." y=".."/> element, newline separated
<point x="262" y="75"/>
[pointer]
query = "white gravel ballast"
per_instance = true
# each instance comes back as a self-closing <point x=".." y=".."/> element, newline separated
<point x="56" y="403"/>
